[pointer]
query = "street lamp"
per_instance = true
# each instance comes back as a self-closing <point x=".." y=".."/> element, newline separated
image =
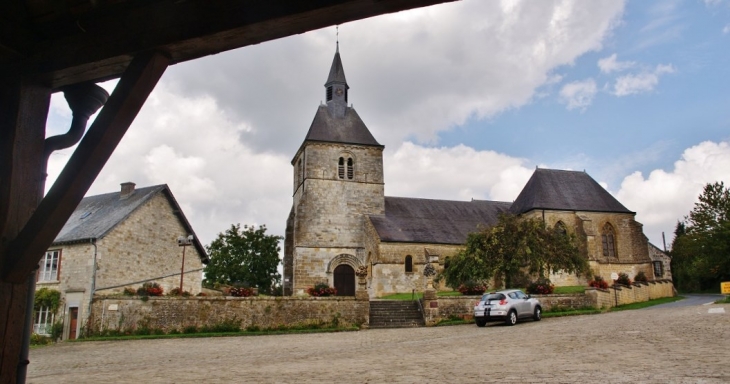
<point x="183" y="242"/>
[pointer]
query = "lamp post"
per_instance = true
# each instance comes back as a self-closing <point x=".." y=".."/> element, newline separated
<point x="183" y="242"/>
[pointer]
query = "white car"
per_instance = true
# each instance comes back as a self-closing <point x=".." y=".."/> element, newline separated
<point x="508" y="306"/>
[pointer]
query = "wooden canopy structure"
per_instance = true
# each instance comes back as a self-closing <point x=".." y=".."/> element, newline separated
<point x="48" y="45"/>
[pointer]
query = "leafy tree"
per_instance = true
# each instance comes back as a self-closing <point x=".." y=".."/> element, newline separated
<point x="701" y="246"/>
<point x="244" y="257"/>
<point x="512" y="247"/>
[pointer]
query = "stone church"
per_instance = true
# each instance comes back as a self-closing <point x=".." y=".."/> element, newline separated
<point x="341" y="219"/>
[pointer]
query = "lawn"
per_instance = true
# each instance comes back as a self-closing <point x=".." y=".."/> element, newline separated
<point x="419" y="295"/>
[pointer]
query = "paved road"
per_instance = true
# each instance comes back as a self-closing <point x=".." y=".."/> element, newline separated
<point x="689" y="344"/>
<point x="692" y="299"/>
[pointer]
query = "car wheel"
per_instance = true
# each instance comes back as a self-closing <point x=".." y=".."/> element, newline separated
<point x="481" y="322"/>
<point x="537" y="316"/>
<point x="511" y="318"/>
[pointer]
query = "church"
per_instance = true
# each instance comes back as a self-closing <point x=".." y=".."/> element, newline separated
<point x="341" y="220"/>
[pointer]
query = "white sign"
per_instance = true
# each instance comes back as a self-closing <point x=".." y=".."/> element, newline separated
<point x="113" y="307"/>
<point x="614" y="276"/>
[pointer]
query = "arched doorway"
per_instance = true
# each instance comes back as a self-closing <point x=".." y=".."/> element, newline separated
<point x="345" y="280"/>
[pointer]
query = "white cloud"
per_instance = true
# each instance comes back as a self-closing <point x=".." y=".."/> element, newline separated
<point x="578" y="94"/>
<point x="453" y="173"/>
<point x="642" y="82"/>
<point x="610" y="64"/>
<point x="726" y="30"/>
<point x="664" y="197"/>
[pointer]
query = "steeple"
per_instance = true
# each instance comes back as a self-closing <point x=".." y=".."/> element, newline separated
<point x="336" y="87"/>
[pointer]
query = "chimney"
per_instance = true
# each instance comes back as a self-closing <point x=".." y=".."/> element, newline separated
<point x="127" y="190"/>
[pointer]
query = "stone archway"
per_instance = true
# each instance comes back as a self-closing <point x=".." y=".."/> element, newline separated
<point x="344" y="280"/>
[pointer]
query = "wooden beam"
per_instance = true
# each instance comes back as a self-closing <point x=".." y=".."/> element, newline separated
<point x="99" y="44"/>
<point x="23" y="110"/>
<point x="135" y="85"/>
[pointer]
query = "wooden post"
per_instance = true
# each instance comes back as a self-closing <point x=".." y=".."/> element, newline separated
<point x="24" y="107"/>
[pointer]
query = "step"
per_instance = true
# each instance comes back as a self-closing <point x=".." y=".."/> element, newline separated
<point x="395" y="314"/>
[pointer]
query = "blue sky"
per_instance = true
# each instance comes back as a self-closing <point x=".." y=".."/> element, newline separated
<point x="467" y="97"/>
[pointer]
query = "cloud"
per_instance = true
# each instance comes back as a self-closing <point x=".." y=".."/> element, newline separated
<point x="424" y="72"/>
<point x="664" y="197"/>
<point x="453" y="173"/>
<point x="609" y="64"/>
<point x="640" y="83"/>
<point x="726" y="30"/>
<point x="578" y="94"/>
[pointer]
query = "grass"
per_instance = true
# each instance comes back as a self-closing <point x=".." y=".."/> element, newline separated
<point x="569" y="290"/>
<point x="217" y="334"/>
<point x="726" y="300"/>
<point x="645" y="304"/>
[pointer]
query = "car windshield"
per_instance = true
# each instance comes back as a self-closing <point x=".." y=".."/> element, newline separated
<point x="493" y="296"/>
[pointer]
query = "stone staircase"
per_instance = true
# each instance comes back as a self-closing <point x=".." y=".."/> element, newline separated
<point x="395" y="314"/>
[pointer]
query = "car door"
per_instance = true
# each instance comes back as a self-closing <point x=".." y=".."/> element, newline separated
<point x="522" y="304"/>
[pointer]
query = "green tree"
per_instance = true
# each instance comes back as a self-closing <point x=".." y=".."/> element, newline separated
<point x="513" y="248"/>
<point x="701" y="246"/>
<point x="248" y="257"/>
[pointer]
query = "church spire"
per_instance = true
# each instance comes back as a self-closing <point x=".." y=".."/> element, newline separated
<point x="336" y="87"/>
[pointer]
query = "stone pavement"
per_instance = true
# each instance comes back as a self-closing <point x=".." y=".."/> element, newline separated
<point x="655" y="345"/>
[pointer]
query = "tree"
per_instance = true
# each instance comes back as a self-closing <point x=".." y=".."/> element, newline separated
<point x="248" y="257"/>
<point x="510" y="249"/>
<point x="701" y="246"/>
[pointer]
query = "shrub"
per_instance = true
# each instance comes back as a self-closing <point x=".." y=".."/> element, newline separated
<point x="641" y="277"/>
<point x="471" y="288"/>
<point x="240" y="292"/>
<point x="149" y="289"/>
<point x="321" y="290"/>
<point x="201" y="294"/>
<point x="190" y="329"/>
<point x="36" y="339"/>
<point x="542" y="286"/>
<point x="598" y="282"/>
<point x="622" y="279"/>
<point x="56" y="330"/>
<point x="176" y="292"/>
<point x="129" y="291"/>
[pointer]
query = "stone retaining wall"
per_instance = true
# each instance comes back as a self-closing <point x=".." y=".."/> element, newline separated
<point x="442" y="308"/>
<point x="168" y="313"/>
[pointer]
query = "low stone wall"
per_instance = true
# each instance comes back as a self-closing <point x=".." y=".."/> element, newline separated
<point x="168" y="313"/>
<point x="441" y="308"/>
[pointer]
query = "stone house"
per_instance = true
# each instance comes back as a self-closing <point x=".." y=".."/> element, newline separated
<point x="341" y="219"/>
<point x="114" y="241"/>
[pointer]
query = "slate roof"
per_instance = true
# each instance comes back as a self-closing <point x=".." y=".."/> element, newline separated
<point x="434" y="221"/>
<point x="565" y="190"/>
<point x="97" y="215"/>
<point x="348" y="130"/>
<point x="337" y="72"/>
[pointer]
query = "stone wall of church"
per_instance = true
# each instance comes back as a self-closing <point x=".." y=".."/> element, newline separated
<point x="606" y="270"/>
<point x="389" y="275"/>
<point x="328" y="210"/>
<point x="311" y="265"/>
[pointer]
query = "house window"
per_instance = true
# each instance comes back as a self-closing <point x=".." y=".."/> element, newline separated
<point x="658" y="269"/>
<point x="49" y="266"/>
<point x="560" y="228"/>
<point x="608" y="238"/>
<point x="350" y="172"/>
<point x="409" y="264"/>
<point x="447" y="262"/>
<point x="43" y="321"/>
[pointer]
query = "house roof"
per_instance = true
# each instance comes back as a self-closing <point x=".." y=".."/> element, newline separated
<point x="348" y="130"/>
<point x="434" y="221"/>
<point x="98" y="215"/>
<point x="565" y="190"/>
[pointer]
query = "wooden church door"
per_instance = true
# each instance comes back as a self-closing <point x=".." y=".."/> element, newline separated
<point x="345" y="280"/>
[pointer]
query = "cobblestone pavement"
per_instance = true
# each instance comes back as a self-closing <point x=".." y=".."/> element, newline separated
<point x="655" y="345"/>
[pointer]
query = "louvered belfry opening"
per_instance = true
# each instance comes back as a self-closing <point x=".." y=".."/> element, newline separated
<point x="350" y="171"/>
<point x="341" y="168"/>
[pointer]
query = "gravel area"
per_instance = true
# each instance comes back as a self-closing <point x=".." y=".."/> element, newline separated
<point x="654" y="345"/>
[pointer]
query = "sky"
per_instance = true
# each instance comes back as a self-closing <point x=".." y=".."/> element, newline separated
<point x="467" y="97"/>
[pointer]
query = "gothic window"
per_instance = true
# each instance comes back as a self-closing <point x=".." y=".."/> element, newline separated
<point x="560" y="228"/>
<point x="350" y="172"/>
<point x="341" y="168"/>
<point x="608" y="237"/>
<point x="299" y="172"/>
<point x="409" y="264"/>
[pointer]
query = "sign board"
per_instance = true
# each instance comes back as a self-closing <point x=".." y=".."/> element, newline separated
<point x="725" y="287"/>
<point x="614" y="276"/>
